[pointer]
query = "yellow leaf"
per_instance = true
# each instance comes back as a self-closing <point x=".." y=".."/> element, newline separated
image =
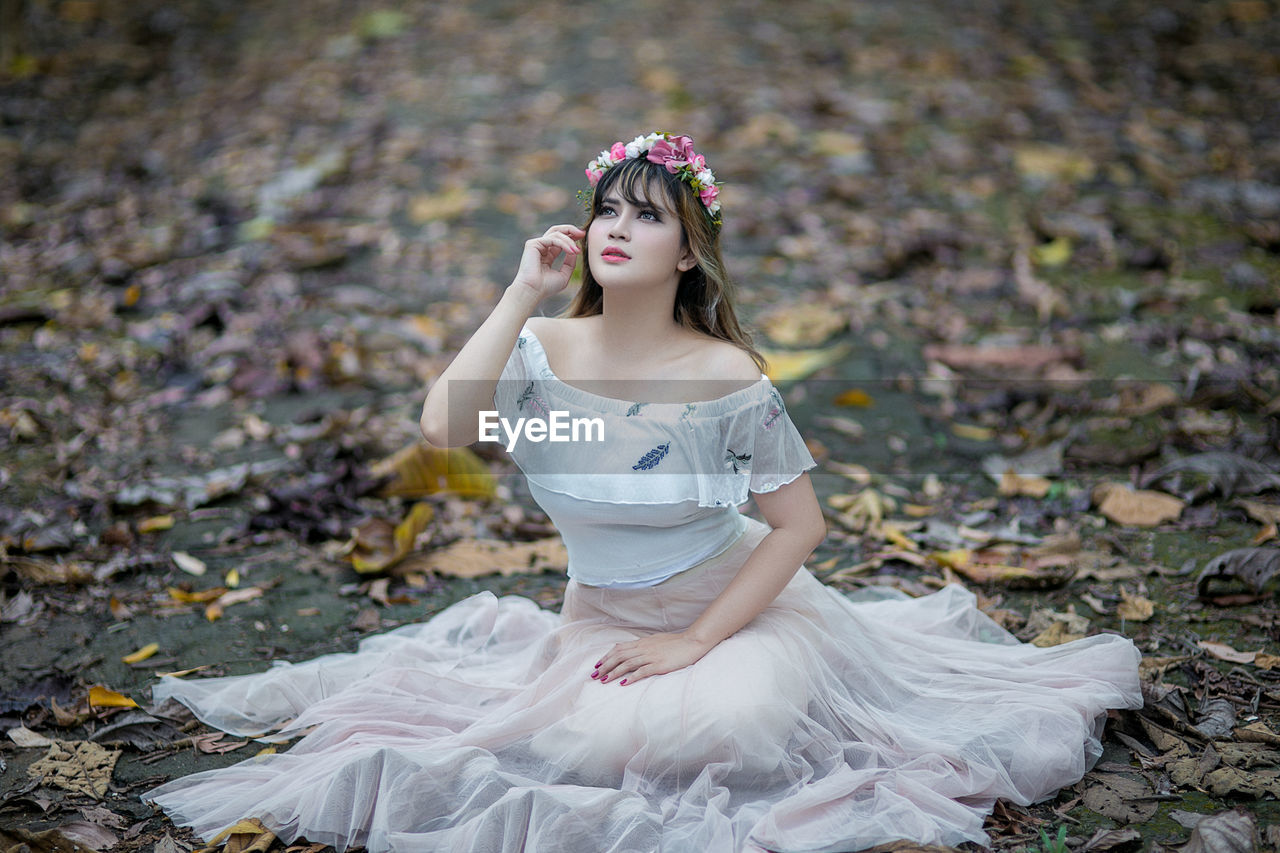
<point x="855" y="397"/>
<point x="791" y="365"/>
<point x="232" y="578"/>
<point x="155" y="523"/>
<point x="418" y="470"/>
<point x="952" y="559"/>
<point x="972" y="432"/>
<point x="229" y="597"/>
<point x="102" y="697"/>
<point x="1052" y="163"/>
<point x="897" y="537"/>
<point x="245" y="826"/>
<point x="195" y="597"/>
<point x="1053" y="254"/>
<point x="141" y="654"/>
<point x="402" y="539"/>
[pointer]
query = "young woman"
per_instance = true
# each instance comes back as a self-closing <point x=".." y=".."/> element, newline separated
<point x="700" y="691"/>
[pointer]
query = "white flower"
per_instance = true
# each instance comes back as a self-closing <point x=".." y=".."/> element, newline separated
<point x="705" y="178"/>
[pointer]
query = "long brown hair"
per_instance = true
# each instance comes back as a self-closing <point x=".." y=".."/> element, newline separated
<point x="704" y="297"/>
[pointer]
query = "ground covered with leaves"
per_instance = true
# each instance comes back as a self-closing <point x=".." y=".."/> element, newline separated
<point x="1014" y="263"/>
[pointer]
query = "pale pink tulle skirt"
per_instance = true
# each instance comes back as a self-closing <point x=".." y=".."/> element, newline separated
<point x="824" y="725"/>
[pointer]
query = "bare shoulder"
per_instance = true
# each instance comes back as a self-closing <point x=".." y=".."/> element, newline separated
<point x="727" y="362"/>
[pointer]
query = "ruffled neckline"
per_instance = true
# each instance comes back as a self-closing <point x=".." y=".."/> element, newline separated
<point x="733" y="401"/>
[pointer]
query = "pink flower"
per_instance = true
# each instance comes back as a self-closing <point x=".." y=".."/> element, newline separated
<point x="698" y="162"/>
<point x="618" y="152"/>
<point x="709" y="194"/>
<point x="593" y="177"/>
<point x="666" y="153"/>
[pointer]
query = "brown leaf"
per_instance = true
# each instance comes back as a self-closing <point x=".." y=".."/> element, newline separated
<point x="89" y="835"/>
<point x="1254" y="566"/>
<point x="1118" y="797"/>
<point x="245" y="836"/>
<point x="471" y="558"/>
<point x="418" y="470"/>
<point x="1112" y="839"/>
<point x="1228" y="473"/>
<point x="1222" y="651"/>
<point x="1225" y="832"/>
<point x="375" y="553"/>
<point x="49" y="841"/>
<point x="1134" y="607"/>
<point x="1142" y="508"/>
<point x="1020" y="358"/>
<point x="77" y="766"/>
<point x="803" y="324"/>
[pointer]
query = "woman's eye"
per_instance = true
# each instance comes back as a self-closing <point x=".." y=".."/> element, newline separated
<point x="649" y="214"/>
<point x="606" y="210"/>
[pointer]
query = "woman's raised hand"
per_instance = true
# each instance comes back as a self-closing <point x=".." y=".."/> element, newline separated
<point x="539" y="270"/>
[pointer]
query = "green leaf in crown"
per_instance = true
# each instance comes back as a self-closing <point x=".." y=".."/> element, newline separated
<point x="652" y="458"/>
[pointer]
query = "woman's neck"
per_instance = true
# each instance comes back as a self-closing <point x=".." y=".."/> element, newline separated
<point x="638" y="324"/>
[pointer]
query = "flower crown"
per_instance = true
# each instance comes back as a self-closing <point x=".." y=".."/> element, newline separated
<point x="675" y="153"/>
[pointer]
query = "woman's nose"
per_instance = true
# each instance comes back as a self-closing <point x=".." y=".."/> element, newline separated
<point x="619" y="228"/>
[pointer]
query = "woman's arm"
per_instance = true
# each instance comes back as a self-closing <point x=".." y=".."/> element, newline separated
<point x="798" y="527"/>
<point x="449" y="414"/>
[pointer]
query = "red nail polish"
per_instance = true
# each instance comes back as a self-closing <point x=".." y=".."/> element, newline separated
<point x="595" y="675"/>
<point x="604" y="679"/>
<point x="622" y="682"/>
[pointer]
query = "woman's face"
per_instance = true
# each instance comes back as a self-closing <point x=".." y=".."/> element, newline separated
<point x="636" y="243"/>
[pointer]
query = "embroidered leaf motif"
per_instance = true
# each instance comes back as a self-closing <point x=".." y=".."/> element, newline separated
<point x="521" y="341"/>
<point x="536" y="404"/>
<point x="775" y="411"/>
<point x="689" y="409"/>
<point x="652" y="458"/>
<point x="635" y="409"/>
<point x="739" y="462"/>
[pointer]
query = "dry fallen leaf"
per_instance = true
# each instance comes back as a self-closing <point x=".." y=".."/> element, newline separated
<point x="1254" y="566"/>
<point x="471" y="558"/>
<point x="1225" y="832"/>
<point x="1119" y="798"/>
<point x="418" y="470"/>
<point x="1134" y="608"/>
<point x="792" y="365"/>
<point x="803" y="324"/>
<point x="374" y="553"/>
<point x="141" y="654"/>
<point x="1222" y="651"/>
<point x="1142" y="508"/>
<point x="77" y="766"/>
<point x="104" y="697"/>
<point x="24" y="737"/>
<point x="189" y="564"/>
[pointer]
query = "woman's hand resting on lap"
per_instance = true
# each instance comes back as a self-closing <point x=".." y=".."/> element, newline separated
<point x="627" y="663"/>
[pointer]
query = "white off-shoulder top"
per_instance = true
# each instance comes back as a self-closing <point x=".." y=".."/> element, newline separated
<point x="659" y="493"/>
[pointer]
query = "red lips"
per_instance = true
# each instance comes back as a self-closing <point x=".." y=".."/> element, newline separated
<point x="614" y="252"/>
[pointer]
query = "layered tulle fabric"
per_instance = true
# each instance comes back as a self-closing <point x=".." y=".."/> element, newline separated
<point x="823" y="725"/>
